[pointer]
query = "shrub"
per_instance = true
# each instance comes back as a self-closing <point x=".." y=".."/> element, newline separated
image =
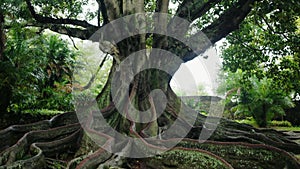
<point x="275" y="123"/>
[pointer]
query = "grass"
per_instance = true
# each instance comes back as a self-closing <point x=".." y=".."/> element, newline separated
<point x="43" y="112"/>
<point x="249" y="121"/>
<point x="287" y="128"/>
<point x="252" y="122"/>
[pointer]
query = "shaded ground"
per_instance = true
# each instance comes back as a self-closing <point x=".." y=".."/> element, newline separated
<point x="61" y="143"/>
<point x="8" y="119"/>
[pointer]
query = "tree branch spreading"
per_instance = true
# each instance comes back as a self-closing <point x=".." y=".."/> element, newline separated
<point x="59" y="25"/>
<point x="227" y="22"/>
<point x="45" y="19"/>
<point x="193" y="9"/>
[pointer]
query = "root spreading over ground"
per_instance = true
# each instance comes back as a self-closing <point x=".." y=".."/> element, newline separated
<point x="62" y="143"/>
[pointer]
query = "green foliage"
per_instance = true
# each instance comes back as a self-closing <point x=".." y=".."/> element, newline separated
<point x="262" y="100"/>
<point x="85" y="68"/>
<point x="17" y="13"/>
<point x="287" y="129"/>
<point x="251" y="157"/>
<point x="182" y="159"/>
<point x="261" y="62"/>
<point x="275" y="123"/>
<point x="249" y="121"/>
<point x="42" y="111"/>
<point x="231" y="81"/>
<point x="40" y="71"/>
<point x="267" y="44"/>
<point x="231" y="85"/>
<point x="56" y="99"/>
<point x="150" y="5"/>
<point x="197" y="106"/>
<point x="201" y="90"/>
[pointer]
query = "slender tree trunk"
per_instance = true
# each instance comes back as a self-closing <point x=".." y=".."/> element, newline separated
<point x="263" y="117"/>
<point x="2" y="40"/>
<point x="5" y="88"/>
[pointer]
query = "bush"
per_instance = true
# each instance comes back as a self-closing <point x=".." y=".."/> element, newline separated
<point x="275" y="123"/>
<point x="42" y="68"/>
<point x="42" y="112"/>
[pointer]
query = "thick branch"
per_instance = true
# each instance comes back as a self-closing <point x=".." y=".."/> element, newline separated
<point x="113" y="9"/>
<point x="162" y="6"/>
<point x="227" y="22"/>
<point x="45" y="20"/>
<point x="160" y="41"/>
<point x="74" y="32"/>
<point x="193" y="9"/>
<point x="94" y="75"/>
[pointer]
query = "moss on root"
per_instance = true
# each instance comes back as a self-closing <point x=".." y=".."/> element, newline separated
<point x="60" y="143"/>
<point x="247" y="156"/>
<point x="182" y="159"/>
<point x="179" y="158"/>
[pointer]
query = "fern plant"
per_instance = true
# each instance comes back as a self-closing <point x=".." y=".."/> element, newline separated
<point x="262" y="100"/>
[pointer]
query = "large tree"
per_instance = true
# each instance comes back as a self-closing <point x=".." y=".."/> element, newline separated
<point x="57" y="141"/>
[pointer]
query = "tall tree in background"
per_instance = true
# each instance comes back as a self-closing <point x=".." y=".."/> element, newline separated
<point x="215" y="18"/>
<point x="266" y="45"/>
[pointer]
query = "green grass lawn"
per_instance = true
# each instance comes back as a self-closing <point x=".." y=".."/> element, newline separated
<point x="248" y="121"/>
<point x="287" y="128"/>
<point x="280" y="128"/>
<point x="43" y="112"/>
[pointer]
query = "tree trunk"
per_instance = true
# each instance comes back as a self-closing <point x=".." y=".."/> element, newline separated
<point x="2" y="40"/>
<point x="60" y="141"/>
<point x="5" y="86"/>
<point x="264" y="117"/>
